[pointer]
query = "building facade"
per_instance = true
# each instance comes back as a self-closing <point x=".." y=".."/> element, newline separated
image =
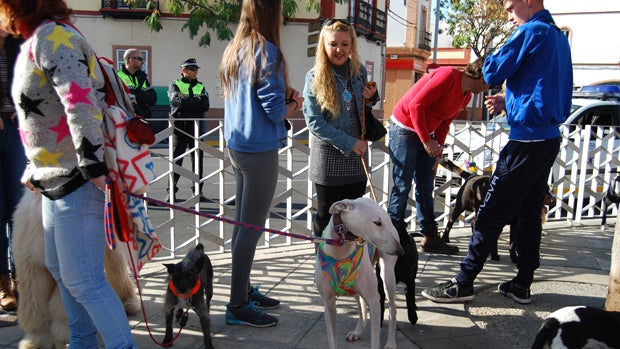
<point x="112" y="27"/>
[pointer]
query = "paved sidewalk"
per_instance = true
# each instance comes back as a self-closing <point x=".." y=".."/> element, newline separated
<point x="574" y="270"/>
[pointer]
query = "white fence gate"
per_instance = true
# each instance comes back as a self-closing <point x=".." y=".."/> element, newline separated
<point x="581" y="174"/>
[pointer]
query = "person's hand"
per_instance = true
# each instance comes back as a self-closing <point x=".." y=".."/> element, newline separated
<point x="369" y="90"/>
<point x="433" y="148"/>
<point x="99" y="182"/>
<point x="360" y="147"/>
<point x="292" y="94"/>
<point x="293" y="101"/>
<point x="495" y="103"/>
<point x="1" y="124"/>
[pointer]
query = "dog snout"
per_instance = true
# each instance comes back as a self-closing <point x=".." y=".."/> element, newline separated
<point x="397" y="250"/>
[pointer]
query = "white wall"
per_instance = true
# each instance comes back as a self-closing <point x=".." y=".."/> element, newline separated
<point x="171" y="46"/>
<point x="595" y="42"/>
<point x="396" y="27"/>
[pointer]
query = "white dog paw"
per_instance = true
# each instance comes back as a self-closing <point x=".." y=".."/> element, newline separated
<point x="353" y="336"/>
<point x="390" y="346"/>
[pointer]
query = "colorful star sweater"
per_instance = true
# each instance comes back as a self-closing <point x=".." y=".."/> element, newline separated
<point x="58" y="93"/>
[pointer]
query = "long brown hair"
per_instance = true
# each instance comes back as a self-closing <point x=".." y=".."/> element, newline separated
<point x="324" y="83"/>
<point x="30" y="13"/>
<point x="256" y="25"/>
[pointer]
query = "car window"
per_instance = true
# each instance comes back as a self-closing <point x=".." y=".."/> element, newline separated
<point x="598" y="116"/>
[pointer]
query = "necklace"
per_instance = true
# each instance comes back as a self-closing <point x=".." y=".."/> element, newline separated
<point x="345" y="82"/>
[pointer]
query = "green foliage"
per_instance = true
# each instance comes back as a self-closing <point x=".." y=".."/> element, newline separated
<point x="213" y="16"/>
<point x="479" y="24"/>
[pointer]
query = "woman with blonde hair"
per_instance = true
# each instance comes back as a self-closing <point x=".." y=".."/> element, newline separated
<point x="258" y="98"/>
<point x="333" y="94"/>
<point x="58" y="93"/>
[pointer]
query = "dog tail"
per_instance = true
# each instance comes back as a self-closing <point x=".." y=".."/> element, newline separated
<point x="449" y="165"/>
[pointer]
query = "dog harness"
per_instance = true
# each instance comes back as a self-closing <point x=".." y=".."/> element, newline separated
<point x="189" y="294"/>
<point x="342" y="274"/>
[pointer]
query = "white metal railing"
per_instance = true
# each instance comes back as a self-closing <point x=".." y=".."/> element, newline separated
<point x="580" y="175"/>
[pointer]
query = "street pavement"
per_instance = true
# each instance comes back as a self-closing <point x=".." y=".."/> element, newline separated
<point x="574" y="270"/>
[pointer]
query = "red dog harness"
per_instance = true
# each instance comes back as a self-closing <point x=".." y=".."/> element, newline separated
<point x="189" y="294"/>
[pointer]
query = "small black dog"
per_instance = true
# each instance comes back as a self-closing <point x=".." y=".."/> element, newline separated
<point x="579" y="327"/>
<point x="190" y="285"/>
<point x="405" y="271"/>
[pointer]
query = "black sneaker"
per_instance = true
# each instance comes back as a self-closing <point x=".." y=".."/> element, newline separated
<point x="519" y="294"/>
<point x="449" y="292"/>
<point x="250" y="315"/>
<point x="261" y="299"/>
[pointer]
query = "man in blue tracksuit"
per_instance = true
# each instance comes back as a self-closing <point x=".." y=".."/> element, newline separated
<point x="536" y="64"/>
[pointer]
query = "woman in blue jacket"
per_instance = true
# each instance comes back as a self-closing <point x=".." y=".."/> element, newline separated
<point x="257" y="100"/>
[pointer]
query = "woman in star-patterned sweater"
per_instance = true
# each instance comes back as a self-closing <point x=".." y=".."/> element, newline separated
<point x="58" y="92"/>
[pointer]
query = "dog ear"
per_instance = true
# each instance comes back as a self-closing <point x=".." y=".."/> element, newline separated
<point x="171" y="267"/>
<point x="340" y="206"/>
<point x="199" y="264"/>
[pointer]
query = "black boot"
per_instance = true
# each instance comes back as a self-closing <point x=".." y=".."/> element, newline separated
<point x="432" y="243"/>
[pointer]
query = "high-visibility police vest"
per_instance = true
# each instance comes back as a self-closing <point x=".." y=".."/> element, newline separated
<point x="128" y="80"/>
<point x="184" y="88"/>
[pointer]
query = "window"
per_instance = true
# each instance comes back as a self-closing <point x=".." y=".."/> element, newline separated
<point x="119" y="51"/>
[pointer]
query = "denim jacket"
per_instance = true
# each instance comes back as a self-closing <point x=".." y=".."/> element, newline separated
<point x="323" y="124"/>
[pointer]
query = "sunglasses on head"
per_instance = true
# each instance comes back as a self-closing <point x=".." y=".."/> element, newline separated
<point x="336" y="20"/>
<point x="138" y="58"/>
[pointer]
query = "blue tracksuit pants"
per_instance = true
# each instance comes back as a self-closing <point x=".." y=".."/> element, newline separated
<point x="517" y="187"/>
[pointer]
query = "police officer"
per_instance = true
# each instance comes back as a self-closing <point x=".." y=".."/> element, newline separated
<point x="188" y="100"/>
<point x="137" y="81"/>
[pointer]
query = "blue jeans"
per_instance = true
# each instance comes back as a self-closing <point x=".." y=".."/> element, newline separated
<point x="256" y="176"/>
<point x="74" y="248"/>
<point x="410" y="162"/>
<point x="13" y="163"/>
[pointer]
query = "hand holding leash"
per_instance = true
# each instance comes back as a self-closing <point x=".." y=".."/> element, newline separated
<point x="369" y="90"/>
<point x="495" y="103"/>
<point x="432" y="148"/>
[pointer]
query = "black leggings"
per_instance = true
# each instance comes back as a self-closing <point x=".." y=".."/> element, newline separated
<point x="326" y="195"/>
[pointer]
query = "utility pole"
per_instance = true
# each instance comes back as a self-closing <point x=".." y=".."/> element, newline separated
<point x="436" y="35"/>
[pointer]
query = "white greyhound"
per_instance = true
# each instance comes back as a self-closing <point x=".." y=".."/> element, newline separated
<point x="348" y="269"/>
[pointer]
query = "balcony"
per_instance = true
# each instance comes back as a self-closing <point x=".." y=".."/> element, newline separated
<point x="379" y="23"/>
<point x="424" y="41"/>
<point x="368" y="21"/>
<point x="120" y="9"/>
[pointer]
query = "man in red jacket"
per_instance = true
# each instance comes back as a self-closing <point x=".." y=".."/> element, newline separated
<point x="421" y="120"/>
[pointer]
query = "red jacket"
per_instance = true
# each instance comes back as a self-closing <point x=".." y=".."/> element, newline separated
<point x="432" y="103"/>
